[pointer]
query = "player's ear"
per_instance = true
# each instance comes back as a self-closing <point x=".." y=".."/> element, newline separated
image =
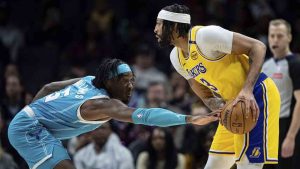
<point x="107" y="84"/>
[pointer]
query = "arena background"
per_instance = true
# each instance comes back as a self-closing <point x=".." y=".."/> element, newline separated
<point x="49" y="40"/>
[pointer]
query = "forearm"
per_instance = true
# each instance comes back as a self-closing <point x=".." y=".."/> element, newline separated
<point x="159" y="117"/>
<point x="214" y="103"/>
<point x="256" y="59"/>
<point x="206" y="95"/>
<point x="295" y="125"/>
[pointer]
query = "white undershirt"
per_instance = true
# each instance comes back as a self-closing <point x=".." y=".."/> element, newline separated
<point x="213" y="41"/>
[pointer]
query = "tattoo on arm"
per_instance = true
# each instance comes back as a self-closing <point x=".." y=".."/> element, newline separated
<point x="214" y="103"/>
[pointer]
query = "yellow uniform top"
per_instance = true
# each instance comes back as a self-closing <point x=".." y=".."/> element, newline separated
<point x="224" y="75"/>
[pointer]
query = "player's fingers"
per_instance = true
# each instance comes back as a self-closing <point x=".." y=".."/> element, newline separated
<point x="253" y="110"/>
<point x="247" y="105"/>
<point x="234" y="102"/>
<point x="213" y="118"/>
<point x="220" y="119"/>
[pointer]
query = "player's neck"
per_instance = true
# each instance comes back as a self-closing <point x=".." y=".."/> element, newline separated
<point x="183" y="44"/>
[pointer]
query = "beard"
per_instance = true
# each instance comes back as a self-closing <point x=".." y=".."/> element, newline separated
<point x="164" y="41"/>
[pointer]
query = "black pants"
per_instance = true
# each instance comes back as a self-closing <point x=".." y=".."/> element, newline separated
<point x="286" y="163"/>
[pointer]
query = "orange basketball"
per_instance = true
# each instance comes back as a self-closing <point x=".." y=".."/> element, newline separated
<point x="235" y="121"/>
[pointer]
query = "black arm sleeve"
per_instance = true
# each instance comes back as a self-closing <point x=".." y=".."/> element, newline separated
<point x="294" y="65"/>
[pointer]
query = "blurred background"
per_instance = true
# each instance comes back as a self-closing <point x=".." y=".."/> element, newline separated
<point x="49" y="40"/>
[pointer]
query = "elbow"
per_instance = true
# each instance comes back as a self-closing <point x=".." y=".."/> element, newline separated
<point x="259" y="49"/>
<point x="261" y="46"/>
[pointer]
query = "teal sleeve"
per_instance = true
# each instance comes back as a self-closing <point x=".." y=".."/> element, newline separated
<point x="157" y="117"/>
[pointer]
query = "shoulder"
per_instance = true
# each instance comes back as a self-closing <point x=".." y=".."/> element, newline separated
<point x="214" y="38"/>
<point x="174" y="54"/>
<point x="180" y="156"/>
<point x="174" y="58"/>
<point x="181" y="159"/>
<point x="294" y="59"/>
<point x="212" y="31"/>
<point x="143" y="155"/>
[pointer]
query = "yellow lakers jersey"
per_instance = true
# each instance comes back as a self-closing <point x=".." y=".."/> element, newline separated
<point x="225" y="75"/>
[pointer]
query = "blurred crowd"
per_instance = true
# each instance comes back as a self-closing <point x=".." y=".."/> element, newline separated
<point x="50" y="40"/>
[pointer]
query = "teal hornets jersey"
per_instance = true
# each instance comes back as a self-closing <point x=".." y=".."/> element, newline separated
<point x="59" y="112"/>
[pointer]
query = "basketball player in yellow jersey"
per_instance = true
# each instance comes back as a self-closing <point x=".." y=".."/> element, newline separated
<point x="221" y="65"/>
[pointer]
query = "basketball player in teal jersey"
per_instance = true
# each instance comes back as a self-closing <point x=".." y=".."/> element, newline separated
<point x="65" y="109"/>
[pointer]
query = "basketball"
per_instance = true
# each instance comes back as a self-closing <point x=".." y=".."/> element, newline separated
<point x="235" y="121"/>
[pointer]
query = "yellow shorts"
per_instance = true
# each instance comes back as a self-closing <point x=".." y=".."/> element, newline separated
<point x="261" y="144"/>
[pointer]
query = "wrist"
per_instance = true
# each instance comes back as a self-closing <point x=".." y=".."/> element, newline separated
<point x="188" y="119"/>
<point x="248" y="88"/>
<point x="290" y="137"/>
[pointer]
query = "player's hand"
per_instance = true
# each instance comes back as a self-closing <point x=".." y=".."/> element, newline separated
<point x="205" y="119"/>
<point x="247" y="97"/>
<point x="288" y="147"/>
<point x="228" y="106"/>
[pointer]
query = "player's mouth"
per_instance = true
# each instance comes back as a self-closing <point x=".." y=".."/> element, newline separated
<point x="274" y="46"/>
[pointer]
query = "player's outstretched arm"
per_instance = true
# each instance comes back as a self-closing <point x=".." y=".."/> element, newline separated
<point x="212" y="102"/>
<point x="53" y="87"/>
<point x="115" y="109"/>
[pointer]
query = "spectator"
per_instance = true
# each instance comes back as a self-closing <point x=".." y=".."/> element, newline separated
<point x="145" y="70"/>
<point x="105" y="152"/>
<point x="180" y="95"/>
<point x="197" y="140"/>
<point x="11" y="37"/>
<point x="161" y="152"/>
<point x="6" y="161"/>
<point x="13" y="101"/>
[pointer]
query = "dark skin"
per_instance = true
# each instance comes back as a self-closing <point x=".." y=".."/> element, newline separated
<point x="119" y="89"/>
<point x="53" y="87"/>
<point x="104" y="109"/>
<point x="241" y="44"/>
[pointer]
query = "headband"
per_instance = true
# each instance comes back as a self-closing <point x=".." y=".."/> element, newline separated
<point x="175" y="17"/>
<point x="122" y="68"/>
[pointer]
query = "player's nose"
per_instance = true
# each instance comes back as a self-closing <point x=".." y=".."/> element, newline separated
<point x="155" y="30"/>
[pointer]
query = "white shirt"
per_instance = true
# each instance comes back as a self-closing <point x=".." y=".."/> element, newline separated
<point x="113" y="156"/>
<point x="213" y="41"/>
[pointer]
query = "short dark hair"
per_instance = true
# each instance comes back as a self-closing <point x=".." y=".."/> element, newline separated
<point x="277" y="22"/>
<point x="105" y="70"/>
<point x="182" y="28"/>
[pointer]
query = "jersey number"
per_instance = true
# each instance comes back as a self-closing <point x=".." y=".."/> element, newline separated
<point x="206" y="83"/>
<point x="56" y="95"/>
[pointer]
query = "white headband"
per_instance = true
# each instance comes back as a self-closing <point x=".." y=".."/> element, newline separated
<point x="175" y="17"/>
